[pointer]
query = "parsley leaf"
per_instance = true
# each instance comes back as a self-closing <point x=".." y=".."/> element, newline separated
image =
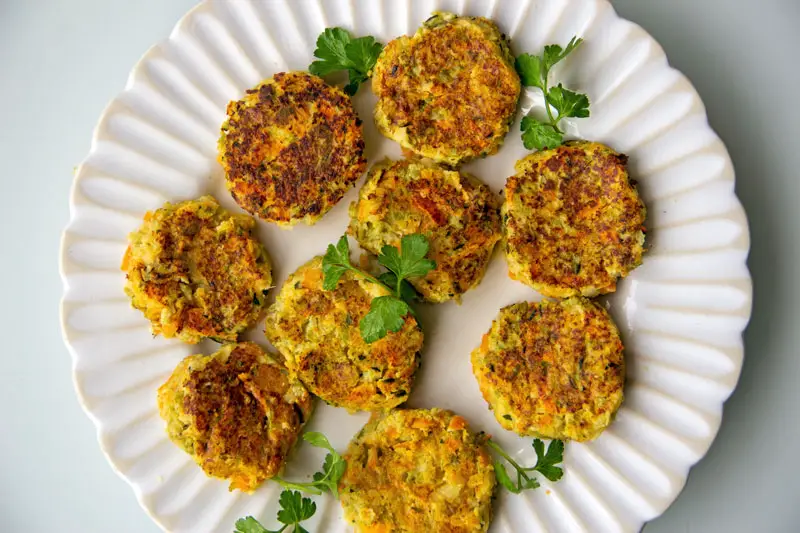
<point x="538" y="134"/>
<point x="410" y="261"/>
<point x="250" y="525"/>
<point x="534" y="71"/>
<point x="335" y="263"/>
<point x="530" y="70"/>
<point x="330" y="50"/>
<point x="407" y="291"/>
<point x="553" y="53"/>
<point x="386" y="313"/>
<point x="545" y="464"/>
<point x="568" y="103"/>
<point x="337" y="50"/>
<point x="333" y="466"/>
<point x="332" y="469"/>
<point x="294" y="509"/>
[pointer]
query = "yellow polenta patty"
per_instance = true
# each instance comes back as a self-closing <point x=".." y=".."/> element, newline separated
<point x="237" y="412"/>
<point x="291" y="148"/>
<point x="317" y="332"/>
<point x="449" y="92"/>
<point x="554" y="369"/>
<point x="195" y="270"/>
<point x="574" y="223"/>
<point x="457" y="213"/>
<point x="417" y="470"/>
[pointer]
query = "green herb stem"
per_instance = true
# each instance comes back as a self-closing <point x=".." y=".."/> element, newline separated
<point x="553" y="121"/>
<point x="310" y="488"/>
<point x="504" y="455"/>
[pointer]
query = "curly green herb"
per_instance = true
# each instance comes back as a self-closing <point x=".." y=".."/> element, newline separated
<point x="338" y="50"/>
<point x="545" y="464"/>
<point x="332" y="469"/>
<point x="294" y="509"/>
<point x="386" y="313"/>
<point x="534" y="72"/>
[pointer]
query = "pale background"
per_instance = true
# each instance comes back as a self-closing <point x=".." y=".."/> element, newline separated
<point x="61" y="61"/>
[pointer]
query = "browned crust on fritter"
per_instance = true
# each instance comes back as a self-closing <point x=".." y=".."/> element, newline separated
<point x="573" y="220"/>
<point x="456" y="212"/>
<point x="317" y="332"/>
<point x="291" y="148"/>
<point x="417" y="470"/>
<point x="553" y="369"/>
<point x="243" y="425"/>
<point x="197" y="271"/>
<point x="452" y="88"/>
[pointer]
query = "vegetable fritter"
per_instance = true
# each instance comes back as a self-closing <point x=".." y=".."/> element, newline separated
<point x="457" y="213"/>
<point x="291" y="148"/>
<point x="317" y="332"/>
<point x="554" y="369"/>
<point x="574" y="222"/>
<point x="237" y="412"/>
<point x="195" y="271"/>
<point x="449" y="92"/>
<point x="414" y="470"/>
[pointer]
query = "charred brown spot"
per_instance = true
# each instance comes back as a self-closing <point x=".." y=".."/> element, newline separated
<point x="552" y="361"/>
<point x="457" y="213"/>
<point x="574" y="206"/>
<point x="240" y="414"/>
<point x="294" y="151"/>
<point x="338" y="366"/>
<point x="455" y="89"/>
<point x="203" y="276"/>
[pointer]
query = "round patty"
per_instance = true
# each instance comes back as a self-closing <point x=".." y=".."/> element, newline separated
<point x="415" y="470"/>
<point x="236" y="412"/>
<point x="457" y="213"/>
<point x="195" y="270"/>
<point x="449" y="92"/>
<point x="553" y="369"/>
<point x="317" y="332"/>
<point x="291" y="148"/>
<point x="574" y="222"/>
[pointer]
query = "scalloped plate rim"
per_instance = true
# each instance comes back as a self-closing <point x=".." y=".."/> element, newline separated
<point x="739" y="212"/>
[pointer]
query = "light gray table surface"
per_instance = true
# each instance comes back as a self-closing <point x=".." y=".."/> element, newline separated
<point x="61" y="61"/>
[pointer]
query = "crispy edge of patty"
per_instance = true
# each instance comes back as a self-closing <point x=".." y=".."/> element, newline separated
<point x="376" y="494"/>
<point x="187" y="289"/>
<point x="567" y="236"/>
<point x="317" y="332"/>
<point x="237" y="412"/>
<point x="553" y="369"/>
<point x="291" y="148"/>
<point x="397" y="116"/>
<point x="432" y="197"/>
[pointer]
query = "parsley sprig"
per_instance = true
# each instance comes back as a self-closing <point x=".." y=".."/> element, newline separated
<point x="386" y="313"/>
<point x="332" y="469"/>
<point x="545" y="464"/>
<point x="294" y="509"/>
<point x="338" y="50"/>
<point x="534" y="72"/>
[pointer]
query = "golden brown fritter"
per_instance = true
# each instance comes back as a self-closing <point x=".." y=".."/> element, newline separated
<point x="237" y="412"/>
<point x="449" y="92"/>
<point x="318" y="334"/>
<point x="457" y="213"/>
<point x="574" y="223"/>
<point x="195" y="270"/>
<point x="291" y="148"/>
<point x="553" y="370"/>
<point x="417" y="470"/>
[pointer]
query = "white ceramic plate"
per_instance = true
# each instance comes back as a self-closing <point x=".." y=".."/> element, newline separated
<point x="682" y="312"/>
